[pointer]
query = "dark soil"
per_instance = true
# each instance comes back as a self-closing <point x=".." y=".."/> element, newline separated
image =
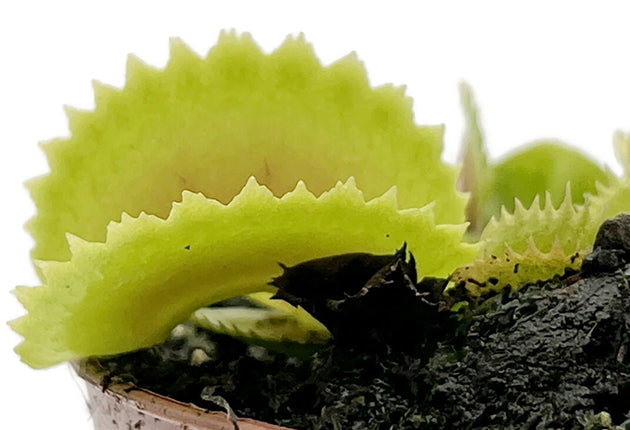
<point x="550" y="356"/>
<point x="547" y="357"/>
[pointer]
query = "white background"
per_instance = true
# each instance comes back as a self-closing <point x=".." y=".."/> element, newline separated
<point x="539" y="68"/>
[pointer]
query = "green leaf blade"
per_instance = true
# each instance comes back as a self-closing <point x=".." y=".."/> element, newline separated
<point x="151" y="273"/>
<point x="540" y="170"/>
<point x="278" y="322"/>
<point x="207" y="124"/>
<point x="543" y="169"/>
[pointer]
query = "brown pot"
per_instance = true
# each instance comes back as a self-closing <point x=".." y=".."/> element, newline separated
<point x="124" y="406"/>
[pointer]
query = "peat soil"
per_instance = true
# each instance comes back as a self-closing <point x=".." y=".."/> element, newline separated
<point x="550" y="356"/>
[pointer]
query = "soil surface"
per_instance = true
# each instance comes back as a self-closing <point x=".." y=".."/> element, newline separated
<point x="550" y="356"/>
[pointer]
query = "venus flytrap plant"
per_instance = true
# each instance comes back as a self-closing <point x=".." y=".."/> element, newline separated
<point x="239" y="172"/>
<point x="208" y="124"/>
<point x="541" y="169"/>
<point x="567" y="196"/>
<point x="124" y="256"/>
<point x="203" y="253"/>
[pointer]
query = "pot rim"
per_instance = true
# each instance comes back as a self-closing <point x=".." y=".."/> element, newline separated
<point x="160" y="406"/>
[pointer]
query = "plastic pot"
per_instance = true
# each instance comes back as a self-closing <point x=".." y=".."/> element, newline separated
<point x="124" y="406"/>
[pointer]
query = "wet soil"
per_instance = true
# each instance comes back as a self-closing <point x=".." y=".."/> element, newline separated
<point x="550" y="356"/>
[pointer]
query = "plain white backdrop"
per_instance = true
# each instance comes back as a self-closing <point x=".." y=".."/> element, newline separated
<point x="539" y="69"/>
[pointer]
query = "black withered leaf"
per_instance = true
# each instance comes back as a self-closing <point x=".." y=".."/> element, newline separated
<point x="330" y="278"/>
<point x="365" y="298"/>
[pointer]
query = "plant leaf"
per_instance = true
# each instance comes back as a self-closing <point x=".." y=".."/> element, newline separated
<point x="544" y="169"/>
<point x="530" y="245"/>
<point x="540" y="170"/>
<point x="545" y="224"/>
<point x="298" y="313"/>
<point x="277" y="322"/>
<point x="208" y="124"/>
<point x="151" y="273"/>
<point x="251" y="324"/>
<point x="476" y="176"/>
<point x="555" y="233"/>
<point x="610" y="200"/>
<point x="536" y="244"/>
<point x="495" y="272"/>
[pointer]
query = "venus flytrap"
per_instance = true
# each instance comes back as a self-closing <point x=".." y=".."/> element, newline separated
<point x="208" y="124"/>
<point x="567" y="196"/>
<point x="542" y="168"/>
<point x="225" y="176"/>
<point x="157" y="272"/>
<point x="124" y="256"/>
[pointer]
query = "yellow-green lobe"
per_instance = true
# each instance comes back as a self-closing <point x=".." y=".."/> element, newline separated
<point x="540" y="170"/>
<point x="207" y="124"/>
<point x="151" y="273"/>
